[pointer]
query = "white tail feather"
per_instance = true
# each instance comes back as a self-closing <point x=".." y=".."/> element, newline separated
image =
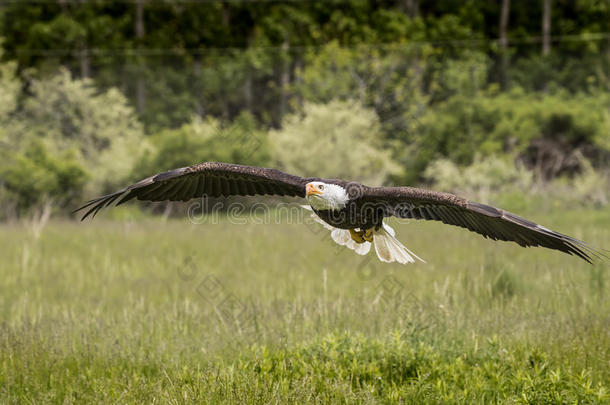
<point x="389" y="249"/>
<point x="342" y="236"/>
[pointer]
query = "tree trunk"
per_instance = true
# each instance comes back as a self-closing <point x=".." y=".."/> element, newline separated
<point x="226" y="14"/>
<point x="504" y="43"/>
<point x="226" y="23"/>
<point x="546" y="27"/>
<point x="85" y="66"/>
<point x="298" y="77"/>
<point x="140" y="95"/>
<point x="410" y="7"/>
<point x="248" y="89"/>
<point x="284" y="81"/>
<point x="248" y="80"/>
<point x="607" y="75"/>
<point x="140" y="31"/>
<point x="199" y="100"/>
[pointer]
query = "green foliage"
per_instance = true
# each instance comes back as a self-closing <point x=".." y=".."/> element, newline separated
<point x="34" y="176"/>
<point x="589" y="188"/>
<point x="396" y="368"/>
<point x="211" y="57"/>
<point x="68" y="128"/>
<point x="386" y="78"/>
<point x="515" y="123"/>
<point x="465" y="75"/>
<point x="485" y="177"/>
<point x="430" y="72"/>
<point x="504" y="182"/>
<point x="10" y="88"/>
<point x="240" y="141"/>
<point x="340" y="139"/>
<point x="101" y="127"/>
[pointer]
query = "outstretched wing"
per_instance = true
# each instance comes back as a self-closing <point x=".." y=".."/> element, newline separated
<point x="491" y="222"/>
<point x="211" y="179"/>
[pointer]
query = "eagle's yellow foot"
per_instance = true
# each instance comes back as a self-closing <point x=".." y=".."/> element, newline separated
<point x="357" y="236"/>
<point x="368" y="235"/>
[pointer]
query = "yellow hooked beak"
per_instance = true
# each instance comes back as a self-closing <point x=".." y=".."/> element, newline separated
<point x="311" y="189"/>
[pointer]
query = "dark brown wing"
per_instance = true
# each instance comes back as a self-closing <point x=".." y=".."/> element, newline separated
<point x="491" y="222"/>
<point x="211" y="179"/>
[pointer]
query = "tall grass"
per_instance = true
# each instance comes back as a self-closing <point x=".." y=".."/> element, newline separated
<point x="152" y="311"/>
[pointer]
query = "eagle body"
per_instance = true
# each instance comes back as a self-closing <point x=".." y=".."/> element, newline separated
<point x="350" y="210"/>
<point x="350" y="217"/>
<point x="354" y="213"/>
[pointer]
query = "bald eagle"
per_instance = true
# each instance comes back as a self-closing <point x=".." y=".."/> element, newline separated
<point x="354" y="213"/>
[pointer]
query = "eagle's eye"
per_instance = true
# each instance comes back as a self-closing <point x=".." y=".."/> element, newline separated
<point x="321" y="187"/>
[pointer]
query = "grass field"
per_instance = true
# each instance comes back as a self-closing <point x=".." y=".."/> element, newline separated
<point x="150" y="311"/>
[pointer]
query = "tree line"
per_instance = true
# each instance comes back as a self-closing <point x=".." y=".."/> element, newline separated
<point x="450" y="80"/>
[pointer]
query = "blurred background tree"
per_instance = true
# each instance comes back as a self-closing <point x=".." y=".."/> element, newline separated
<point x="63" y="131"/>
<point x="123" y="89"/>
<point x="239" y="141"/>
<point x="338" y="139"/>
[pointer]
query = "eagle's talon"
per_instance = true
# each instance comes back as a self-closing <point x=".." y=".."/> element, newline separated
<point x="357" y="236"/>
<point x="368" y="235"/>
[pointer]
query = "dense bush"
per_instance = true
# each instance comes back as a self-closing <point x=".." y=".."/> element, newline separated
<point x="10" y="87"/>
<point x="365" y="113"/>
<point x="545" y="131"/>
<point x="72" y="114"/>
<point x="222" y="58"/>
<point x="385" y="78"/>
<point x="61" y="130"/>
<point x="500" y="180"/>
<point x="480" y="180"/>
<point x="340" y="139"/>
<point x="35" y="176"/>
<point x="240" y="141"/>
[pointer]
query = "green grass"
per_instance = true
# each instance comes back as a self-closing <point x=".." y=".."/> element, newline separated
<point x="149" y="311"/>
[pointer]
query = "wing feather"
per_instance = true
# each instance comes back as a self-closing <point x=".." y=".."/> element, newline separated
<point x="142" y="192"/>
<point x="188" y="191"/>
<point x="243" y="187"/>
<point x="211" y="179"/>
<point x="176" y="192"/>
<point x="234" y="187"/>
<point x="491" y="222"/>
<point x="225" y="189"/>
<point x="260" y="189"/>
<point x="200" y="186"/>
<point x="251" y="188"/>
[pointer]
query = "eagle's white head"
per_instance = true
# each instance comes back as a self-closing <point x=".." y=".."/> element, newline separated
<point x="325" y="196"/>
